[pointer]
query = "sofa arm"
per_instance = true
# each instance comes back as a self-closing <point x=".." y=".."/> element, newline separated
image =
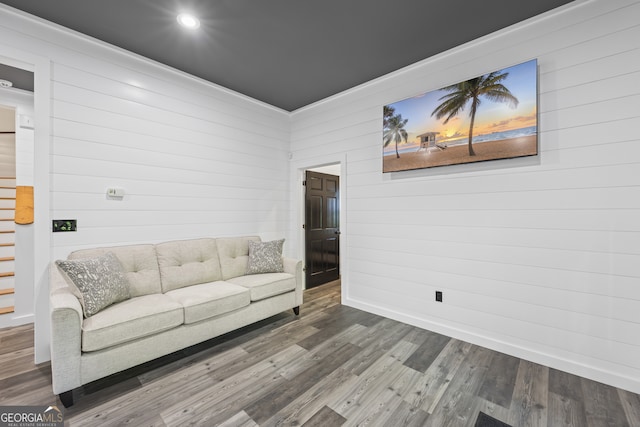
<point x="66" y="329"/>
<point x="294" y="266"/>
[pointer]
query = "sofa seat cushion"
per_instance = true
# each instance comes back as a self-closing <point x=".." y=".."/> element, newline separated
<point x="266" y="285"/>
<point x="130" y="320"/>
<point x="210" y="299"/>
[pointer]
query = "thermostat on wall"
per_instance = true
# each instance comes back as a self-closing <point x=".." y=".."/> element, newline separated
<point x="115" y="192"/>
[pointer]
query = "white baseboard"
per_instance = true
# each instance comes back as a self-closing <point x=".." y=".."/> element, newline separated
<point x="10" y="320"/>
<point x="614" y="379"/>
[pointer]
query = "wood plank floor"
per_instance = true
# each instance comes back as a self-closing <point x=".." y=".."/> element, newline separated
<point x="331" y="366"/>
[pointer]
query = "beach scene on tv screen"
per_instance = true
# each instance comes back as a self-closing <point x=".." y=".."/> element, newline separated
<point x="489" y="117"/>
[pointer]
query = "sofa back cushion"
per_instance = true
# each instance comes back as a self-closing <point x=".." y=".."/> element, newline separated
<point x="139" y="262"/>
<point x="234" y="255"/>
<point x="188" y="262"/>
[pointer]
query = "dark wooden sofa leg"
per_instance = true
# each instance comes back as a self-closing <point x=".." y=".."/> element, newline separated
<point x="296" y="310"/>
<point x="66" y="398"/>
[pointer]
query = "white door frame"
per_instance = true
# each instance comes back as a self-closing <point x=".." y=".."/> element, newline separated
<point x="298" y="169"/>
<point x="41" y="67"/>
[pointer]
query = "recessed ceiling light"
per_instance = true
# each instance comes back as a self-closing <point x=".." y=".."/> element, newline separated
<point x="188" y="21"/>
<point x="5" y="83"/>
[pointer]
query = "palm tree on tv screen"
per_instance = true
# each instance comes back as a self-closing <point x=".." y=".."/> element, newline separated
<point x="388" y="112"/>
<point x="488" y="86"/>
<point x="394" y="129"/>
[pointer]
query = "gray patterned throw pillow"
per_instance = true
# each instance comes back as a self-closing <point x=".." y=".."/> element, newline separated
<point x="265" y="257"/>
<point x="97" y="282"/>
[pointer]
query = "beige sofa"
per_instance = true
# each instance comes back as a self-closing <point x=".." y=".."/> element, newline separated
<point x="181" y="293"/>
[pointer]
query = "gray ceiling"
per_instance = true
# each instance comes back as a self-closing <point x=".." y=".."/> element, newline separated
<point x="21" y="79"/>
<point x="288" y="53"/>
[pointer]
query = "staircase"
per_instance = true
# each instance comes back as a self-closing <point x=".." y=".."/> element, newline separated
<point x="7" y="244"/>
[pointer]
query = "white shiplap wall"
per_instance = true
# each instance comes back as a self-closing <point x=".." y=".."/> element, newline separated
<point x="191" y="166"/>
<point x="195" y="159"/>
<point x="537" y="257"/>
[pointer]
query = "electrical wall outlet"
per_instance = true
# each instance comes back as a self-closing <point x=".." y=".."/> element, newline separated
<point x="439" y="296"/>
<point x="64" y="225"/>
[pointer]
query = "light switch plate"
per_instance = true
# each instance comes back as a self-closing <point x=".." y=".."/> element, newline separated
<point x="26" y="122"/>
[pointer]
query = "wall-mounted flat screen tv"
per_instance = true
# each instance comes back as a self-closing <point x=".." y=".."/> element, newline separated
<point x="489" y="117"/>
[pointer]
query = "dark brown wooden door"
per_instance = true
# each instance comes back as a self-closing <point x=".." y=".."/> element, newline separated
<point x="322" y="228"/>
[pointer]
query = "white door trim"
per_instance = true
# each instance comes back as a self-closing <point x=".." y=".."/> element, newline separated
<point x="41" y="67"/>
<point x="298" y="200"/>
